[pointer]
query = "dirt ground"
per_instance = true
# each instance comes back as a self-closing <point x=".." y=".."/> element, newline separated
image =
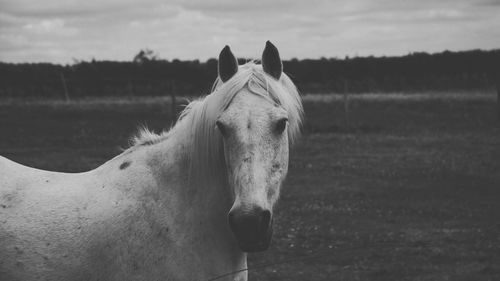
<point x="401" y="189"/>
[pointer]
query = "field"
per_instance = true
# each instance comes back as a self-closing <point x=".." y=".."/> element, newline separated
<point x="407" y="188"/>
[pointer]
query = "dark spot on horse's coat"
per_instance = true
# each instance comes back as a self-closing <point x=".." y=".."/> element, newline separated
<point x="46" y="180"/>
<point x="47" y="244"/>
<point x="9" y="200"/>
<point x="124" y="165"/>
<point x="19" y="264"/>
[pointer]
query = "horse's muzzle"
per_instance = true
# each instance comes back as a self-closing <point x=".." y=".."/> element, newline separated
<point x="253" y="229"/>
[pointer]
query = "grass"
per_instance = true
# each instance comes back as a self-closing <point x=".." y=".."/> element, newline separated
<point x="405" y="96"/>
<point x="407" y="189"/>
<point x="422" y="208"/>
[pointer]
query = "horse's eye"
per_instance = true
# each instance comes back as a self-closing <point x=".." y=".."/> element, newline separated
<point x="221" y="127"/>
<point x="281" y="125"/>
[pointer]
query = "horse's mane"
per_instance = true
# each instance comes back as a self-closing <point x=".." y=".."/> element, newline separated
<point x="199" y="116"/>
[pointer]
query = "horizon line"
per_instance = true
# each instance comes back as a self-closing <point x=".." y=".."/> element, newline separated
<point x="346" y="57"/>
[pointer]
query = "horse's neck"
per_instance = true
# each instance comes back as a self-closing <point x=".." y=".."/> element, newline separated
<point x="171" y="158"/>
<point x="203" y="207"/>
<point x="195" y="214"/>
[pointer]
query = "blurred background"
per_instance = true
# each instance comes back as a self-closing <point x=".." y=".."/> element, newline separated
<point x="397" y="175"/>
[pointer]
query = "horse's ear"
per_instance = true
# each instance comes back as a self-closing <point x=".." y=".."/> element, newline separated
<point x="228" y="65"/>
<point x="271" y="61"/>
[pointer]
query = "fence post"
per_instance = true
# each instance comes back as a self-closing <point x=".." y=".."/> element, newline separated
<point x="346" y="103"/>
<point x="498" y="101"/>
<point x="131" y="88"/>
<point x="65" y="88"/>
<point x="173" y="101"/>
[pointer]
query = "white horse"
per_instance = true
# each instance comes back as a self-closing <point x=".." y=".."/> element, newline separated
<point x="183" y="205"/>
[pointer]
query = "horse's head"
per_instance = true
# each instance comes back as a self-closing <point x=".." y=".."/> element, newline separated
<point x="255" y="131"/>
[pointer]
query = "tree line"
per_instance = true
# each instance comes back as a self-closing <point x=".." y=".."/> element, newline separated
<point x="147" y="75"/>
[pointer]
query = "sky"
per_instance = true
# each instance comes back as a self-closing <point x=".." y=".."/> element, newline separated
<point x="65" y="31"/>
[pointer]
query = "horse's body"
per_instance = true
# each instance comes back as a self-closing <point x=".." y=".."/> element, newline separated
<point x="136" y="222"/>
<point x="159" y="210"/>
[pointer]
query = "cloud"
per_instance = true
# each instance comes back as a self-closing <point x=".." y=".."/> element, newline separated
<point x="60" y="30"/>
<point x="54" y="27"/>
